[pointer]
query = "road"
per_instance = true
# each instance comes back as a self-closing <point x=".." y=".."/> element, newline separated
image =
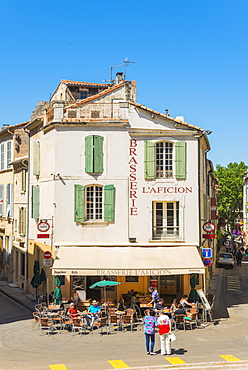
<point x="22" y="348"/>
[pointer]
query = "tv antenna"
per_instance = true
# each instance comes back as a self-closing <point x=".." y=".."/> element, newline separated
<point x="126" y="64"/>
<point x="111" y="70"/>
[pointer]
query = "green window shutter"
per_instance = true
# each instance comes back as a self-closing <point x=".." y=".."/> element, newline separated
<point x="78" y="203"/>
<point x="24" y="172"/>
<point x="181" y="160"/>
<point x="149" y="160"/>
<point x="109" y="203"/>
<point x="89" y="145"/>
<point x="35" y="201"/>
<point x="36" y="158"/>
<point x="98" y="154"/>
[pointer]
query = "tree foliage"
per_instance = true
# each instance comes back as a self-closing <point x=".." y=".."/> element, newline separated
<point x="230" y="194"/>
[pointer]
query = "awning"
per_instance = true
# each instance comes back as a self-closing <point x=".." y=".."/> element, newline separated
<point x="127" y="261"/>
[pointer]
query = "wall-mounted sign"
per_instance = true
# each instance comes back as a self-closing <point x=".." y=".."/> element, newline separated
<point x="208" y="236"/>
<point x="208" y="227"/>
<point x="47" y="254"/>
<point x="48" y="262"/>
<point x="43" y="226"/>
<point x="207" y="252"/>
<point x="207" y="262"/>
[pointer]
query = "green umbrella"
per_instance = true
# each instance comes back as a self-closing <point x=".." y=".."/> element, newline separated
<point x="57" y="295"/>
<point x="42" y="275"/>
<point x="104" y="284"/>
<point x="193" y="296"/>
<point x="36" y="280"/>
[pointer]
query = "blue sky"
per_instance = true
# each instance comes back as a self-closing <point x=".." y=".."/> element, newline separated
<point x="191" y="58"/>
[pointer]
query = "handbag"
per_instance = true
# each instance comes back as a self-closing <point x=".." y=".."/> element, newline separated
<point x="172" y="337"/>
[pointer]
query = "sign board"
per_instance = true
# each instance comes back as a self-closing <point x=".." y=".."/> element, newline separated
<point x="47" y="254"/>
<point x="203" y="299"/>
<point x="208" y="236"/>
<point x="45" y="236"/>
<point x="207" y="262"/>
<point x="43" y="226"/>
<point x="47" y="262"/>
<point x="208" y="227"/>
<point x="207" y="252"/>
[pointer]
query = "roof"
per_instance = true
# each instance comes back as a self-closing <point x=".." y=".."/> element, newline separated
<point x="166" y="116"/>
<point x="93" y="97"/>
<point x="79" y="83"/>
<point x="13" y="127"/>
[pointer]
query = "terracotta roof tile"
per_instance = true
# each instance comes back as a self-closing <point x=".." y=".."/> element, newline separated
<point x="80" y="83"/>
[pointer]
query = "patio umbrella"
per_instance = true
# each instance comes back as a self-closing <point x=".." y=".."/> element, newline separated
<point x="193" y="296"/>
<point x="104" y="284"/>
<point x="57" y="295"/>
<point x="36" y="280"/>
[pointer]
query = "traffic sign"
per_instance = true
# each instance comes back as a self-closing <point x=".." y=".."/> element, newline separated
<point x="47" y="262"/>
<point x="208" y="236"/>
<point x="43" y="226"/>
<point x="44" y="236"/>
<point x="47" y="254"/>
<point x="208" y="227"/>
<point x="207" y="262"/>
<point x="207" y="252"/>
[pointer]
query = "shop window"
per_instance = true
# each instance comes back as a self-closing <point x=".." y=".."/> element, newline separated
<point x="165" y="220"/>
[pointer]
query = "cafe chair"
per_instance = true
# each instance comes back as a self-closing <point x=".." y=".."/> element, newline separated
<point x="179" y="321"/>
<point x="78" y="325"/>
<point x="113" y="320"/>
<point x="36" y="318"/>
<point x="100" y="324"/>
<point x="191" y="319"/>
<point x="44" y="324"/>
<point x="111" y="311"/>
<point x="66" y="323"/>
<point x="127" y="320"/>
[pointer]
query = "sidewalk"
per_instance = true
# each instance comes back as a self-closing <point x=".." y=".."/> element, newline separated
<point x="216" y="288"/>
<point x="27" y="300"/>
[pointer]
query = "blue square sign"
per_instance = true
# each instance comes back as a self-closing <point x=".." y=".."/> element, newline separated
<point x="207" y="252"/>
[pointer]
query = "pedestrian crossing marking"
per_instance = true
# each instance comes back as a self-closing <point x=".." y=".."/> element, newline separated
<point x="58" y="367"/>
<point x="175" y="360"/>
<point x="230" y="358"/>
<point x="118" y="364"/>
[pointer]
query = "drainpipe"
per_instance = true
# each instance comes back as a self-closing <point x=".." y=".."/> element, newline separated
<point x="27" y="213"/>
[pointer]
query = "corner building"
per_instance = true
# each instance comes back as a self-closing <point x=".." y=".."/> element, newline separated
<point x="123" y="188"/>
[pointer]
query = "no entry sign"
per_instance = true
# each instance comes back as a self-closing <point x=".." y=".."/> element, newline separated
<point x="47" y="255"/>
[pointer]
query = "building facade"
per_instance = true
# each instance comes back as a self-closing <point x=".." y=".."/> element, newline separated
<point x="122" y="190"/>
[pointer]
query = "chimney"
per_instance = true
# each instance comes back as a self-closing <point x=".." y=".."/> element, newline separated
<point x="5" y="125"/>
<point x="119" y="77"/>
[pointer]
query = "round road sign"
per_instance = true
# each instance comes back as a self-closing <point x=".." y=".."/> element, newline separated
<point x="208" y="227"/>
<point x="47" y="255"/>
<point x="207" y="262"/>
<point x="43" y="226"/>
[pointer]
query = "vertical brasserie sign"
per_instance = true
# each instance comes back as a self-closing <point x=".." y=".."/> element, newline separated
<point x="133" y="185"/>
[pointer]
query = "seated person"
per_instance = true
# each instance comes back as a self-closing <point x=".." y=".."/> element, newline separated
<point x="93" y="313"/>
<point x="130" y="295"/>
<point x="72" y="310"/>
<point x="180" y="310"/>
<point x="174" y="305"/>
<point x="160" y="305"/>
<point x="184" y="301"/>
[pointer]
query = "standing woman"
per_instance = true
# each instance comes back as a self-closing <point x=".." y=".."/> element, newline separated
<point x="150" y="323"/>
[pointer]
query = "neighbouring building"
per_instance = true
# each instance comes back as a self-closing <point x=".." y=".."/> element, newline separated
<point x="117" y="191"/>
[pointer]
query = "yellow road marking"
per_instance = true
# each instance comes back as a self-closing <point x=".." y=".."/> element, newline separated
<point x="58" y="367"/>
<point x="175" y="360"/>
<point x="230" y="358"/>
<point x="118" y="364"/>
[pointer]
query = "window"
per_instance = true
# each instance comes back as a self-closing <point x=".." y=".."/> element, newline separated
<point x="8" y="154"/>
<point x="9" y="200"/>
<point x="165" y="160"/>
<point x="2" y="156"/>
<point x="22" y="221"/>
<point x="35" y="201"/>
<point x="165" y="220"/>
<point x="24" y="177"/>
<point x="1" y="199"/>
<point x="94" y="206"/>
<point x="36" y="158"/>
<point x="94" y="154"/>
<point x="94" y="203"/>
<point x="83" y="94"/>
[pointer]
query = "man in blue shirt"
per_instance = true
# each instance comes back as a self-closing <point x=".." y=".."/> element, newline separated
<point x="93" y="313"/>
<point x="155" y="296"/>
